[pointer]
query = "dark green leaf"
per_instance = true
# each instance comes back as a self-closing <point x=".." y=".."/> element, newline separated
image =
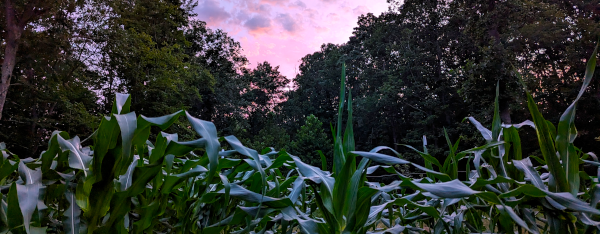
<point x="15" y="216"/>
<point x="381" y="158"/>
<point x="173" y="180"/>
<point x="247" y="195"/>
<point x="208" y="131"/>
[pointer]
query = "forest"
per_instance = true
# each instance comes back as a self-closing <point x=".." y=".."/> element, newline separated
<point x="85" y="83"/>
<point x="421" y="67"/>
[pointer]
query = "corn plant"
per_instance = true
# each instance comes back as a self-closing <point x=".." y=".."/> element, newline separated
<point x="504" y="188"/>
<point x="122" y="180"/>
<point x="124" y="183"/>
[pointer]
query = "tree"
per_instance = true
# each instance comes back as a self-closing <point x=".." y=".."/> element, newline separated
<point x="310" y="138"/>
<point x="271" y="135"/>
<point x="426" y="64"/>
<point x="317" y="88"/>
<point x="17" y="17"/>
<point x="145" y="55"/>
<point x="222" y="99"/>
<point x="266" y="87"/>
<point x="265" y="93"/>
<point x="50" y="89"/>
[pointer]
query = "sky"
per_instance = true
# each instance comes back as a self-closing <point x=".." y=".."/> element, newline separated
<point x="283" y="31"/>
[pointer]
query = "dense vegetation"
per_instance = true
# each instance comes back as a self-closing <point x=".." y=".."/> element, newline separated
<point x="125" y="183"/>
<point x="410" y="75"/>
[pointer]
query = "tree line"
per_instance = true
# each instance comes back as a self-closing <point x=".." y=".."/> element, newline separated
<point x="416" y="70"/>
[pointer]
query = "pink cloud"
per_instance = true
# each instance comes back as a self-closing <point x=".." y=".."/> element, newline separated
<point x="333" y="16"/>
<point x="258" y="24"/>
<point x="211" y="12"/>
<point x="275" y="2"/>
<point x="288" y="23"/>
<point x="283" y="31"/>
<point x="360" y="10"/>
<point x="298" y="4"/>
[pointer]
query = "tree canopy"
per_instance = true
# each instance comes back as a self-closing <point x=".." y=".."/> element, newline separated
<point x="415" y="70"/>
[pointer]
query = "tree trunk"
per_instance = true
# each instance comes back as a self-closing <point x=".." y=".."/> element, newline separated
<point x="14" y="29"/>
<point x="10" y="52"/>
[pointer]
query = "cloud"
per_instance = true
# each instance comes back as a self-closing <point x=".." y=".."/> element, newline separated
<point x="288" y="23"/>
<point x="211" y="12"/>
<point x="242" y="15"/>
<point x="299" y="4"/>
<point x="333" y="16"/>
<point x="360" y="10"/>
<point x="275" y="2"/>
<point x="258" y="24"/>
<point x="264" y="9"/>
<point x="310" y="13"/>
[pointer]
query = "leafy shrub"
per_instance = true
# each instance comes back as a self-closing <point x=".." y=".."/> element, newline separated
<point x="123" y="183"/>
<point x="310" y="139"/>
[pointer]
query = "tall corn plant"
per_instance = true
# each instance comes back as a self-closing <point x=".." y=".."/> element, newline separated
<point x="123" y="182"/>
<point x="505" y="189"/>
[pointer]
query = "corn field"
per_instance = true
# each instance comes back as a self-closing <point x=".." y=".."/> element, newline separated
<point x="124" y="179"/>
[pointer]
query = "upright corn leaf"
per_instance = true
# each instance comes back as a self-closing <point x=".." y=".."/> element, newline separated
<point x="339" y="158"/>
<point x="120" y="204"/>
<point x="15" y="217"/>
<point x="566" y="132"/>
<point x="127" y="124"/>
<point x="105" y="139"/>
<point x="147" y="215"/>
<point x="363" y="206"/>
<point x="72" y="215"/>
<point x="325" y="195"/>
<point x="547" y="145"/>
<point x="126" y="179"/>
<point x="340" y="189"/>
<point x="356" y="183"/>
<point x="513" y="145"/>
<point x="28" y="200"/>
<point x="451" y="164"/>
<point x="323" y="160"/>
<point x="208" y="131"/>
<point x="427" y="156"/>
<point x="122" y="104"/>
<point x="511" y="213"/>
<point x="52" y="151"/>
<point x="349" y="132"/>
